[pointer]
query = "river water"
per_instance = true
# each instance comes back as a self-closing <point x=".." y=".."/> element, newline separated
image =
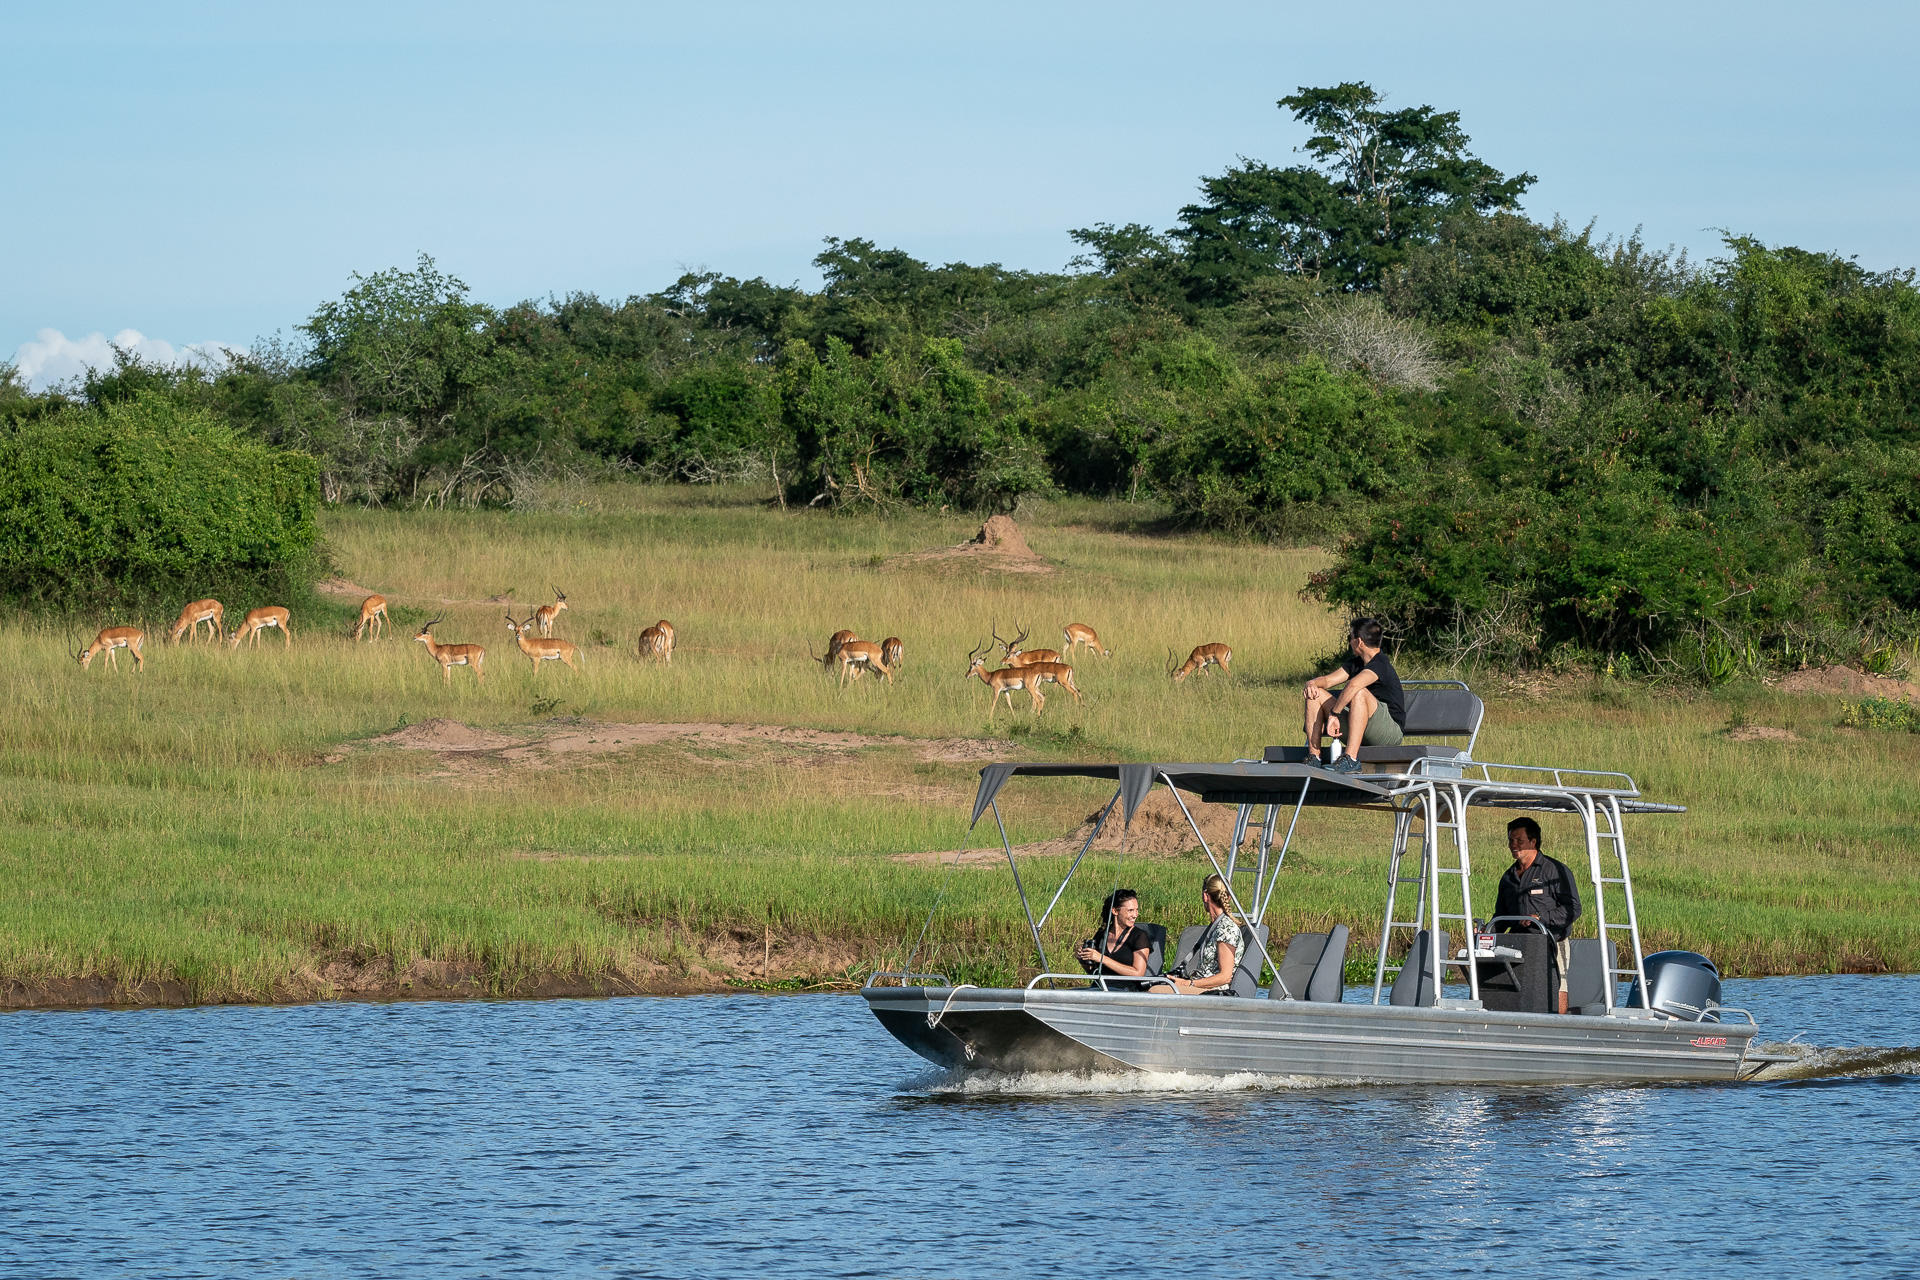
<point x="732" y="1136"/>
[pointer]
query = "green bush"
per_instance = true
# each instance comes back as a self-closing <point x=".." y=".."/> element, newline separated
<point x="148" y="499"/>
<point x="1881" y="713"/>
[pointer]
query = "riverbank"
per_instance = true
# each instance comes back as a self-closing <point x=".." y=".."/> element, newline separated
<point x="336" y="821"/>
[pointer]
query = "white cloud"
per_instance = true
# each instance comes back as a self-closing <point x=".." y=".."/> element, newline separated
<point x="54" y="357"/>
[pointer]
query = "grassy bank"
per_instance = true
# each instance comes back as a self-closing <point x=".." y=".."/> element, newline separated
<point x="232" y="826"/>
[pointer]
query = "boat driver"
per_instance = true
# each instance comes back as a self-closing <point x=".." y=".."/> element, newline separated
<point x="1370" y="698"/>
<point x="1542" y="888"/>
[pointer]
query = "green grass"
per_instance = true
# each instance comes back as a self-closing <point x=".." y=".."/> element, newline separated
<point x="185" y="825"/>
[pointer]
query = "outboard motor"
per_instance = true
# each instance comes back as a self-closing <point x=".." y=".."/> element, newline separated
<point x="1686" y="985"/>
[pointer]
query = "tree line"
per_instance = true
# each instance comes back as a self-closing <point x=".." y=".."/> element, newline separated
<point x="1525" y="443"/>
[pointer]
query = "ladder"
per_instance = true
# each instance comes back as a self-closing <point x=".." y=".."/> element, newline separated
<point x="1607" y="851"/>
<point x="1423" y="827"/>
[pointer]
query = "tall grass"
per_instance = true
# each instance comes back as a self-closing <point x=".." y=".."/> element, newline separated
<point x="211" y="821"/>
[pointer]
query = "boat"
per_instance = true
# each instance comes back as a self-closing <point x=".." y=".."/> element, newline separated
<point x="1437" y="1013"/>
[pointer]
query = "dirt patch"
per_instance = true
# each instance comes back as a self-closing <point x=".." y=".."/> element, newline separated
<point x="1159" y="830"/>
<point x="463" y="747"/>
<point x="1845" y="682"/>
<point x="1762" y="733"/>
<point x="344" y="589"/>
<point x="999" y="547"/>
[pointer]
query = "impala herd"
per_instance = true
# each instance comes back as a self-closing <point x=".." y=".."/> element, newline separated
<point x="1024" y="670"/>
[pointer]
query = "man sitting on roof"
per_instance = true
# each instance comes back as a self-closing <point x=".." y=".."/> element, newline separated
<point x="1370" y="699"/>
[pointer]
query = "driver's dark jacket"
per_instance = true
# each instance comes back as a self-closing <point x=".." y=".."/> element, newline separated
<point x="1544" y="890"/>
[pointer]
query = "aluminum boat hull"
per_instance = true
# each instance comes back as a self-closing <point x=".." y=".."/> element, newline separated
<point x="1025" y="1030"/>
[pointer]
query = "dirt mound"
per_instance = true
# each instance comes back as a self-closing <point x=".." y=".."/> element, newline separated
<point x="1159" y="830"/>
<point x="1845" y="682"/>
<point x="1762" y="733"/>
<point x="998" y="547"/>
<point x="445" y="735"/>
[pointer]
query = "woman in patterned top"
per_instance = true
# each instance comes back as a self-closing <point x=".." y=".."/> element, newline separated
<point x="1209" y="969"/>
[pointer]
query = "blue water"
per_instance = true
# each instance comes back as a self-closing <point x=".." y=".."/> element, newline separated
<point x="734" y="1136"/>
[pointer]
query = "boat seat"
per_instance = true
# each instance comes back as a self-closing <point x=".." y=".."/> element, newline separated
<point x="1189" y="939"/>
<point x="1247" y="965"/>
<point x="1314" y="968"/>
<point x="1414" y="986"/>
<point x="1158" y="933"/>
<point x="1588" y="963"/>
<point x="1434" y="709"/>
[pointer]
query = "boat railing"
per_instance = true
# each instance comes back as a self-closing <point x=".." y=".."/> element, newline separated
<point x="1151" y="979"/>
<point x="1539" y="777"/>
<point x="1712" y="1013"/>
<point x="907" y="979"/>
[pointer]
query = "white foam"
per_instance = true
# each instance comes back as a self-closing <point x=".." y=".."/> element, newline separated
<point x="1050" y="1084"/>
<point x="1812" y="1062"/>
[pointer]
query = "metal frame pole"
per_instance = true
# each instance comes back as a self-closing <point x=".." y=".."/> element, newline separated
<point x="1018" y="887"/>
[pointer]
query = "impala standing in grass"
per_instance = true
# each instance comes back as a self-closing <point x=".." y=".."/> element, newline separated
<point x="1202" y="657"/>
<point x="656" y="642"/>
<point x="1079" y="633"/>
<point x="542" y="650"/>
<point x="857" y="656"/>
<point x="111" y="638"/>
<point x="207" y="611"/>
<point x="1005" y="683"/>
<point x="258" y="620"/>
<point x="546" y="613"/>
<point x="891" y="651"/>
<point x="373" y="614"/>
<point x="450" y="656"/>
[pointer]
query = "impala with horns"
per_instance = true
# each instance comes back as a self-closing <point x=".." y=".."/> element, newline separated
<point x="835" y="642"/>
<point x="539" y="651"/>
<point x="109" y="639"/>
<point x="1079" y="633"/>
<point x="1202" y="657"/>
<point x="1005" y="682"/>
<point x="258" y="620"/>
<point x="450" y="656"/>
<point x="656" y="642"/>
<point x="1018" y="657"/>
<point x="207" y="611"/>
<point x="373" y="612"/>
<point x="546" y="613"/>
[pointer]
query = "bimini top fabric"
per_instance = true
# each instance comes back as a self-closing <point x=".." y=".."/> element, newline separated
<point x="1254" y="782"/>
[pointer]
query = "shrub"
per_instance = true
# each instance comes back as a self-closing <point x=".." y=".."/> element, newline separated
<point x="149" y="498"/>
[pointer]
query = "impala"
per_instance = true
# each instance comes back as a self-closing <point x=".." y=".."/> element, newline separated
<point x="1005" y="683"/>
<point x="1079" y="633"/>
<point x="111" y="638"/>
<point x="1050" y="672"/>
<point x="1202" y="657"/>
<point x="656" y="642"/>
<point x="1018" y="657"/>
<point x="373" y="610"/>
<point x="835" y="643"/>
<point x="450" y="656"/>
<point x="258" y="620"/>
<point x="546" y="613"/>
<point x="207" y="611"/>
<point x="539" y="651"/>
<point x="857" y="656"/>
<point x="891" y="651"/>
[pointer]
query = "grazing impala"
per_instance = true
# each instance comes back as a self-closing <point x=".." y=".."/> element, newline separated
<point x="891" y="651"/>
<point x="373" y="610"/>
<point x="656" y="642"/>
<point x="1079" y="633"/>
<point x="207" y="611"/>
<point x="546" y="613"/>
<point x="1018" y="657"/>
<point x="857" y="656"/>
<point x="1202" y="657"/>
<point x="1005" y="682"/>
<point x="539" y="651"/>
<point x="450" y="656"/>
<point x="111" y="638"/>
<point x="835" y="643"/>
<point x="258" y="620"/>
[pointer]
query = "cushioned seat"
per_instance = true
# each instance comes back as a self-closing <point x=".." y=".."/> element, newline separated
<point x="1414" y="986"/>
<point x="1588" y="962"/>
<point x="1314" y="968"/>
<point x="1247" y="965"/>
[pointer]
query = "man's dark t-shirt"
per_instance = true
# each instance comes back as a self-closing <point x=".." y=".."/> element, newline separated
<point x="1386" y="683"/>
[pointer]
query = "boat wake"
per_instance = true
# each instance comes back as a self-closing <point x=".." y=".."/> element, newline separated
<point x="1852" y="1062"/>
<point x="1062" y="1084"/>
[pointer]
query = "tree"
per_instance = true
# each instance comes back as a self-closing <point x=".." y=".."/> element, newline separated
<point x="1378" y="182"/>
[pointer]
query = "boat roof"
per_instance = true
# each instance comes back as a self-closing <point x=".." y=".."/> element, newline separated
<point x="1478" y="784"/>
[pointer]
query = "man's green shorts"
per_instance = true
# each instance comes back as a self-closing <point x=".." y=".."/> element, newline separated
<point x="1381" y="730"/>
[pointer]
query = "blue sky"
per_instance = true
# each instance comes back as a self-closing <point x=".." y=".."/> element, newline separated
<point x="207" y="172"/>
